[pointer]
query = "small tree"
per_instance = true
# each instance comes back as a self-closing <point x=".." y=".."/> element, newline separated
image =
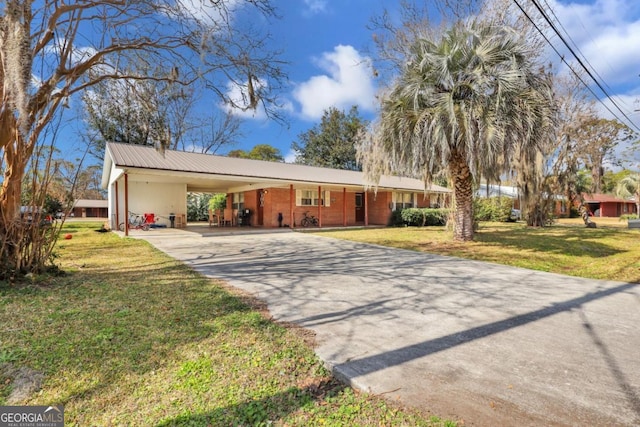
<point x="332" y="142"/>
<point x="197" y="206"/>
<point x="259" y="152"/>
<point x="630" y="187"/>
<point x="155" y="113"/>
<point x="598" y="138"/>
<point x="218" y="201"/>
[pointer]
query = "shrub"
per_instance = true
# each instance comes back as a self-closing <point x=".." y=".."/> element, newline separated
<point x="395" y="220"/>
<point x="420" y="217"/>
<point x="197" y="206"/>
<point x="492" y="209"/>
<point x="218" y="201"/>
<point x="628" y="216"/>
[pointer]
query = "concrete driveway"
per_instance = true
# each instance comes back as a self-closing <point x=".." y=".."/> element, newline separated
<point x="486" y="344"/>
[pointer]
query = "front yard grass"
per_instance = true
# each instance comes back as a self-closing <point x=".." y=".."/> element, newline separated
<point x="609" y="252"/>
<point x="130" y="337"/>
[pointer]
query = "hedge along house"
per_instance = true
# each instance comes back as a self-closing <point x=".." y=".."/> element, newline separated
<point x="140" y="180"/>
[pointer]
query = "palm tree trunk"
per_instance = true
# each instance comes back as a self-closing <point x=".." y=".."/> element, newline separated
<point x="463" y="193"/>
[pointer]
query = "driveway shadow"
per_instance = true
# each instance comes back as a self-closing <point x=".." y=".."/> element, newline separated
<point x="450" y="335"/>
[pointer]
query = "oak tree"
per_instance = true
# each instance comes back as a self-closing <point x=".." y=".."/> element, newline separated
<point x="52" y="50"/>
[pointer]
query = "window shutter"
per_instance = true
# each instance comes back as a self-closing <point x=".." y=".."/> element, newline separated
<point x="327" y="198"/>
<point x="298" y="197"/>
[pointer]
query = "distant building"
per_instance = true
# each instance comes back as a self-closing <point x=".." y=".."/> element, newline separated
<point x="495" y="190"/>
<point x="85" y="208"/>
<point x="605" y="205"/>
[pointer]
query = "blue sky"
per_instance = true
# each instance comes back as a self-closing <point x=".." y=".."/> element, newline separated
<point x="328" y="43"/>
<point x="328" y="47"/>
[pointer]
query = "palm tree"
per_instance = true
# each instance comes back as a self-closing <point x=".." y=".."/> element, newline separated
<point x="630" y="187"/>
<point x="473" y="103"/>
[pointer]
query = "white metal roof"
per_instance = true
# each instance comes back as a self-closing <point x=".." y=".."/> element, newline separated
<point x="497" y="191"/>
<point x="88" y="203"/>
<point x="200" y="168"/>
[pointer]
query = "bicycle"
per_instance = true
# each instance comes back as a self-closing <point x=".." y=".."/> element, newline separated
<point x="136" y="222"/>
<point x="308" y="220"/>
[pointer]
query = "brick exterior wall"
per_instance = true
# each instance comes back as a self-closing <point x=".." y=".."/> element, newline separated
<point x="379" y="207"/>
<point x="342" y="207"/>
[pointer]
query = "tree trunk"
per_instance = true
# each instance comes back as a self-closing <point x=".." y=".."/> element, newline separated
<point x="463" y="193"/>
<point x="11" y="189"/>
<point x="14" y="246"/>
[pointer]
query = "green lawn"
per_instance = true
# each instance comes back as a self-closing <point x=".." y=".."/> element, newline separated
<point x="609" y="252"/>
<point x="129" y="336"/>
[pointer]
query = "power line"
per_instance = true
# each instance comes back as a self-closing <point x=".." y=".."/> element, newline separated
<point x="584" y="57"/>
<point x="580" y="61"/>
<point x="545" y="16"/>
<point x="584" y="67"/>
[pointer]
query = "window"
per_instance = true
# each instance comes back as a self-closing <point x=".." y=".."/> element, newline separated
<point x="238" y="201"/>
<point x="310" y="198"/>
<point x="402" y="201"/>
<point x="434" y="200"/>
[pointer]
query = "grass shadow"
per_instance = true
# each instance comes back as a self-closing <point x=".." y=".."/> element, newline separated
<point x="99" y="324"/>
<point x="130" y="336"/>
<point x="570" y="241"/>
<point x="265" y="410"/>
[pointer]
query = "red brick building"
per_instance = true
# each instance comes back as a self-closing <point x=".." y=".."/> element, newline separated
<point x="140" y="180"/>
<point x="605" y="205"/>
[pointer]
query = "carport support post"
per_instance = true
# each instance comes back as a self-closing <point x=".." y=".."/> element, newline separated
<point x="117" y="207"/>
<point x="292" y="197"/>
<point x="366" y="208"/>
<point x="344" y="206"/>
<point x="126" y="204"/>
<point x="320" y="206"/>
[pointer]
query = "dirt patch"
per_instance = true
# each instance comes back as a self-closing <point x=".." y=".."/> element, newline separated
<point x="22" y="381"/>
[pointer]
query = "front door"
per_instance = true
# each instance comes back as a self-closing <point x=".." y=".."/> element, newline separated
<point x="359" y="207"/>
<point x="260" y="210"/>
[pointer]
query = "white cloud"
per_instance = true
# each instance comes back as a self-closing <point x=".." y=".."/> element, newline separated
<point x="290" y="157"/>
<point x="315" y="6"/>
<point x="211" y="14"/>
<point x="348" y="82"/>
<point x="604" y="32"/>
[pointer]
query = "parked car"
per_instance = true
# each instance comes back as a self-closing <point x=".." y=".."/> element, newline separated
<point x="516" y="215"/>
